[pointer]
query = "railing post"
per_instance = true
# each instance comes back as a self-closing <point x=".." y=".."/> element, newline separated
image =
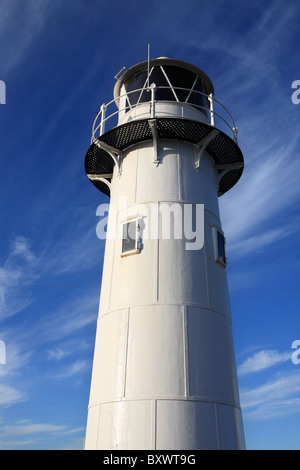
<point x="211" y="109"/>
<point x="152" y="104"/>
<point x="235" y="131"/>
<point x="102" y="123"/>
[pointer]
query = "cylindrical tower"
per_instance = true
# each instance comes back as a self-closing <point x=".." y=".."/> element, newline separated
<point x="164" y="374"/>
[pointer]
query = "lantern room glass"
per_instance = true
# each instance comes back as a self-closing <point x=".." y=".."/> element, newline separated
<point x="172" y="84"/>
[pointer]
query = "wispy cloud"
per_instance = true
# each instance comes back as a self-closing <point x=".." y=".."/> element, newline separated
<point x="29" y="23"/>
<point x="74" y="252"/>
<point x="257" y="242"/>
<point x="247" y="211"/>
<point x="275" y="398"/>
<point x="22" y="268"/>
<point x="250" y="84"/>
<point x="19" y="270"/>
<point x="18" y="356"/>
<point x="53" y="348"/>
<point x="263" y="360"/>
<point x="23" y="429"/>
<point x="57" y="354"/>
<point x="9" y="396"/>
<point x="73" y="370"/>
<point x="55" y="335"/>
<point x="37" y="433"/>
<point x="252" y="58"/>
<point x="70" y="318"/>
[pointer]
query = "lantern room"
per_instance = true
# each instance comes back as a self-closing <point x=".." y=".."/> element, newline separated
<point x="174" y="87"/>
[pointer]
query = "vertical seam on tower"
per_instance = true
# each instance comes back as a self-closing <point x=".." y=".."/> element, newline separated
<point x="157" y="255"/>
<point x="98" y="426"/>
<point x="126" y="352"/>
<point x="230" y="347"/>
<point x="185" y="353"/>
<point x="179" y="174"/>
<point x="112" y="268"/>
<point x="136" y="173"/>
<point x="205" y="264"/>
<point x="155" y="425"/>
<point x="217" y="426"/>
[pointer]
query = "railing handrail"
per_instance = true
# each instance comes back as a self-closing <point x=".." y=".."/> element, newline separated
<point x="210" y="109"/>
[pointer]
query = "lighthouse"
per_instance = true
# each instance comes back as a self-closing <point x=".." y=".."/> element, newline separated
<point x="164" y="375"/>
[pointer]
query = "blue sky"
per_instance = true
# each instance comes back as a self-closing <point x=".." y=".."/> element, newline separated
<point x="58" y="60"/>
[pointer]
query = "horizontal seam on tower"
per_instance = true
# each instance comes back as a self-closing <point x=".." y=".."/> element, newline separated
<point x="158" y="304"/>
<point x="158" y="398"/>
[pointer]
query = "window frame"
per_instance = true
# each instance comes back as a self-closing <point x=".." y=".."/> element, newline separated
<point x="137" y="244"/>
<point x="218" y="259"/>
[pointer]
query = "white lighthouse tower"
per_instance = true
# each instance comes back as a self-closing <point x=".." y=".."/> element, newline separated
<point x="164" y="373"/>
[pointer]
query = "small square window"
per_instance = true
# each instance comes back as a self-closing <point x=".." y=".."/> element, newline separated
<point x="130" y="238"/>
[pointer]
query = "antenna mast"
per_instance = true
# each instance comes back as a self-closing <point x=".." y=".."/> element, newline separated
<point x="148" y="62"/>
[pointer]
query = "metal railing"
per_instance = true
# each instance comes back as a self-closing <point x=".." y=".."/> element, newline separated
<point x="102" y="117"/>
